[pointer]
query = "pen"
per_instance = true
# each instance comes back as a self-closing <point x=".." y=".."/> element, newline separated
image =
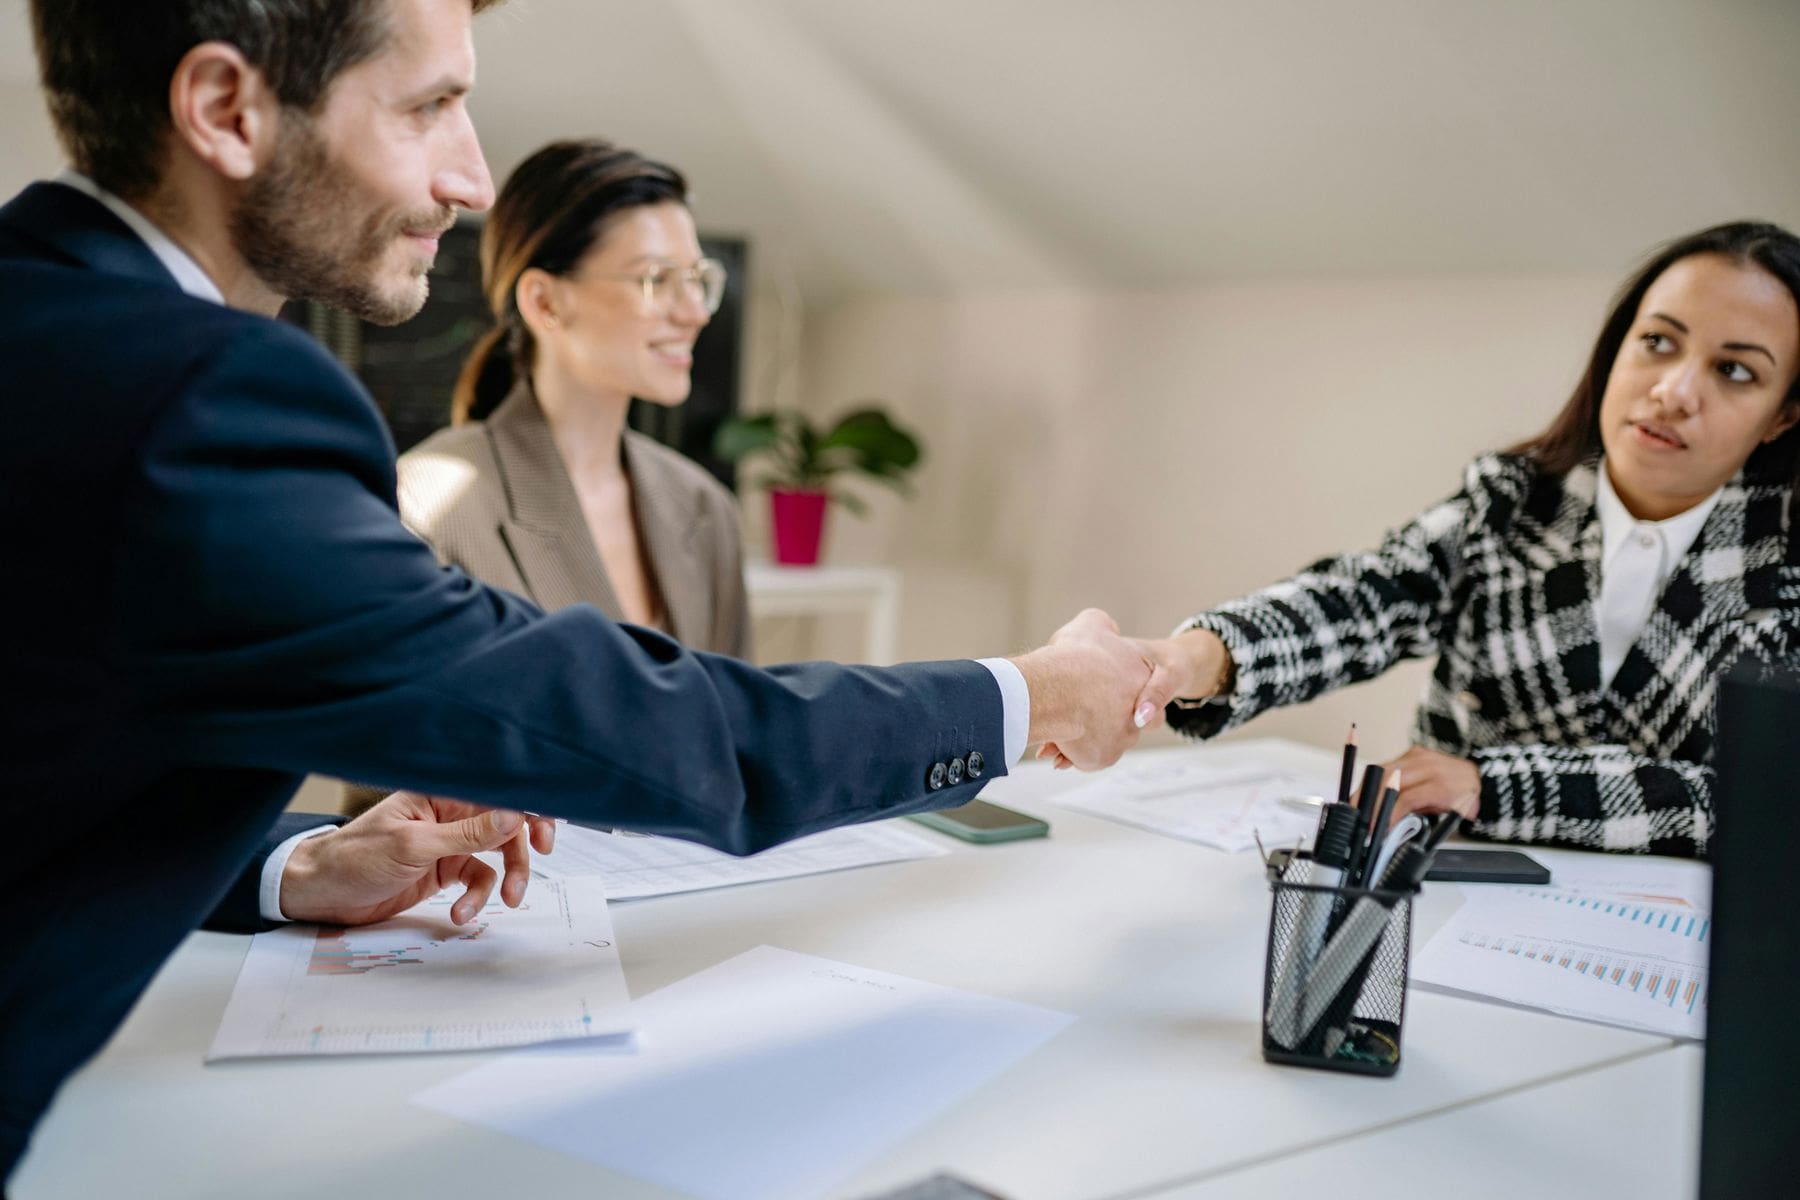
<point x="1378" y="829"/>
<point x="1349" y="771"/>
<point x="1404" y="830"/>
<point x="1365" y="811"/>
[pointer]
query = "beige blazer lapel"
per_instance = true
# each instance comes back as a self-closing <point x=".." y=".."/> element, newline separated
<point x="668" y="517"/>
<point x="546" y="532"/>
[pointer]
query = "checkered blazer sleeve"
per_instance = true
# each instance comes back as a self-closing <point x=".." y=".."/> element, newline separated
<point x="1595" y="797"/>
<point x="1347" y="619"/>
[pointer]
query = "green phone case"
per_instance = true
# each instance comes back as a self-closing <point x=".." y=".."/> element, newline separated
<point x="945" y="821"/>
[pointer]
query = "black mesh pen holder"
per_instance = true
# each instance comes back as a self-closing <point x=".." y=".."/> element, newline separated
<point x="1334" y="978"/>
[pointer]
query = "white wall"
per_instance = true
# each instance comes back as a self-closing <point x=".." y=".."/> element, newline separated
<point x="1153" y="453"/>
<point x="28" y="149"/>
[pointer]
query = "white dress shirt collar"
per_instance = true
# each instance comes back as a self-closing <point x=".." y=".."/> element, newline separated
<point x="188" y="275"/>
<point x="1677" y="533"/>
<point x="1636" y="560"/>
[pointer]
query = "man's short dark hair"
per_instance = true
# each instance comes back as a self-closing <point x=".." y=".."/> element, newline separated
<point x="106" y="65"/>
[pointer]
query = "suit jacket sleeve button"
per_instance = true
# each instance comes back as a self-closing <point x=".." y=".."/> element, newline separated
<point x="976" y="764"/>
<point x="935" y="779"/>
<point x="956" y="771"/>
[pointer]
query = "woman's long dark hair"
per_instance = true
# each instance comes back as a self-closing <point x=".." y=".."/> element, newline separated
<point x="549" y="215"/>
<point x="1574" y="436"/>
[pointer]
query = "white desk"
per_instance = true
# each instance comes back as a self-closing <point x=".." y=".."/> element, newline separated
<point x="1627" y="1129"/>
<point x="1156" y="945"/>
<point x="872" y="592"/>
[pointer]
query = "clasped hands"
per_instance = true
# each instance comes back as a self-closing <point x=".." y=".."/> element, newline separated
<point x="1128" y="682"/>
<point x="1093" y="691"/>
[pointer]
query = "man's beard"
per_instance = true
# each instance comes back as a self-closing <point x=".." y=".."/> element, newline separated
<point x="297" y="229"/>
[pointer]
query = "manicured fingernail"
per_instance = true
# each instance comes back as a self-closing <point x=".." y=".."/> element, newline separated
<point x="1143" y="714"/>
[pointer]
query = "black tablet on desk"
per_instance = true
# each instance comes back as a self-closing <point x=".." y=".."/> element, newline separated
<point x="1460" y="864"/>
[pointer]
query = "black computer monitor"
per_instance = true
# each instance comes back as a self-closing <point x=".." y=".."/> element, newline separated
<point x="1748" y="1142"/>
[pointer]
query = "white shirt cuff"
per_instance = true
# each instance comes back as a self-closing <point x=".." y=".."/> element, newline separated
<point x="1015" y="705"/>
<point x="268" y="895"/>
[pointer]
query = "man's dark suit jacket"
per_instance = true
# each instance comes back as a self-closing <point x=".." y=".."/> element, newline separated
<point x="208" y="593"/>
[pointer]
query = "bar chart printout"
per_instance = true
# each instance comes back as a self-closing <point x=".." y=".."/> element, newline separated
<point x="546" y="971"/>
<point x="1619" y="960"/>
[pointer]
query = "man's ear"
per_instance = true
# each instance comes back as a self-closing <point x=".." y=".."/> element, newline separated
<point x="223" y="111"/>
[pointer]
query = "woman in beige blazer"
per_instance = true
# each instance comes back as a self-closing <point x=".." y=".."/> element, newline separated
<point x="593" y="271"/>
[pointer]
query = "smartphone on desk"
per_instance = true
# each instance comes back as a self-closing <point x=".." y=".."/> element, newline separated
<point x="979" y="821"/>
<point x="1454" y="864"/>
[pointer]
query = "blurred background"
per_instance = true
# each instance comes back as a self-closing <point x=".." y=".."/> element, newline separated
<point x="1178" y="294"/>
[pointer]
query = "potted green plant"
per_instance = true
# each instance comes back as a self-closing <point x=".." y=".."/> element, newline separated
<point x="802" y="460"/>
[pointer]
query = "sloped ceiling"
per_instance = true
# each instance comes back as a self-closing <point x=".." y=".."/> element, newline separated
<point x="946" y="145"/>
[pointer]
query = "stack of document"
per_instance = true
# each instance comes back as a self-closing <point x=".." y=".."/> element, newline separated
<point x="1186" y="794"/>
<point x="546" y="971"/>
<point x="633" y="865"/>
<point x="1622" y="941"/>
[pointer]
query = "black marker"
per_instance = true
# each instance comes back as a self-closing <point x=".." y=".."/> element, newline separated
<point x="1378" y="830"/>
<point x="1365" y="812"/>
<point x="1349" y="772"/>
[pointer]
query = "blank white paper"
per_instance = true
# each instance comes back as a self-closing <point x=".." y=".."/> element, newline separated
<point x="771" y="1075"/>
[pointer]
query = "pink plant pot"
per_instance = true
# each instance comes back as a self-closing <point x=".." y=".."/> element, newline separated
<point x="798" y="520"/>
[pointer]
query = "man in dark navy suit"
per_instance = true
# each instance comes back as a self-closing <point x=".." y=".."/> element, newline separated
<point x="208" y="592"/>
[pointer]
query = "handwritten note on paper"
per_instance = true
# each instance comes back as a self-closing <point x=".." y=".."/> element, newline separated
<point x="737" y="1061"/>
<point x="1178" y="793"/>
<point x="634" y="865"/>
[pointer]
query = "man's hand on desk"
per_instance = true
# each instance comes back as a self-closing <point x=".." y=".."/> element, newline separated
<point x="407" y="848"/>
<point x="1083" y="686"/>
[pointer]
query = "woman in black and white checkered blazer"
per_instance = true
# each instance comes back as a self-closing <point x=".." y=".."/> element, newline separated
<point x="1584" y="591"/>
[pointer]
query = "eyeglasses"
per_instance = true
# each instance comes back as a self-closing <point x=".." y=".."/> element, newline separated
<point x="662" y="285"/>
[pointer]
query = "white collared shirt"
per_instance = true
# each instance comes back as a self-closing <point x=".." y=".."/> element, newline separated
<point x="1636" y="560"/>
<point x="180" y="264"/>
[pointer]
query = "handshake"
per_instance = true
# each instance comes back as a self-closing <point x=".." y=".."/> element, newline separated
<point x="1093" y="689"/>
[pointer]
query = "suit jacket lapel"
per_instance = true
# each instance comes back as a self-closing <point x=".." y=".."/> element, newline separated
<point x="668" y="523"/>
<point x="548" y="535"/>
